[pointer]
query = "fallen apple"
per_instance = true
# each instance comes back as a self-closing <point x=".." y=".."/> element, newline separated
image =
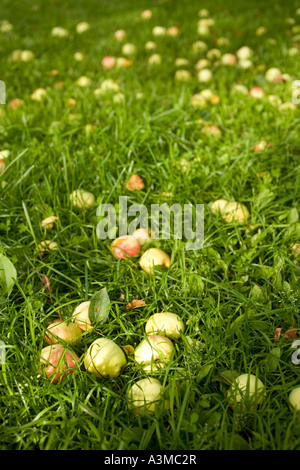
<point x="108" y="62"/>
<point x="159" y="31"/>
<point x="144" y="394"/>
<point x="105" y="359"/>
<point x="47" y="245"/>
<point x="83" y="81"/>
<point x="62" y="330"/>
<point x="155" y="59"/>
<point x="154" y="257"/>
<point x="125" y="246"/>
<point x="256" y="92"/>
<point x="120" y="34"/>
<point x="228" y="59"/>
<point x="128" y="49"/>
<point x="182" y="75"/>
<point x="150" y="45"/>
<point x="82" y="27"/>
<point x="26" y="56"/>
<point x="230" y="211"/>
<point x="165" y="323"/>
<point x="57" y="361"/>
<point x="38" y="94"/>
<point x="48" y="223"/>
<point x="59" y="32"/>
<point x="82" y="199"/>
<point x="79" y="56"/>
<point x="294" y="398"/>
<point x="81" y="316"/>
<point x="146" y="14"/>
<point x="202" y="64"/>
<point x="154" y="352"/>
<point x="247" y="391"/>
<point x="244" y="53"/>
<point x="205" y="75"/>
<point x="235" y="211"/>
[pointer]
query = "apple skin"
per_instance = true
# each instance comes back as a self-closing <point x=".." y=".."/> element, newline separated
<point x="81" y="316"/>
<point x="57" y="361"/>
<point x="165" y="323"/>
<point x="125" y="246"/>
<point x="69" y="332"/>
<point x="144" y="394"/>
<point x="154" y="352"/>
<point x="154" y="257"/>
<point x="105" y="359"/>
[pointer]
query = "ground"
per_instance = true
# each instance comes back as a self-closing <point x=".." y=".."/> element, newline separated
<point x="237" y="295"/>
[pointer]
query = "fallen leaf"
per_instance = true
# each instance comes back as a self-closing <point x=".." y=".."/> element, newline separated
<point x="135" y="303"/>
<point x="134" y="183"/>
<point x="46" y="283"/>
<point x="291" y="333"/>
<point x="277" y="333"/>
<point x="129" y="350"/>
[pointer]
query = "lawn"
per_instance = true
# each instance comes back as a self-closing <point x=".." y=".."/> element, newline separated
<point x="238" y="296"/>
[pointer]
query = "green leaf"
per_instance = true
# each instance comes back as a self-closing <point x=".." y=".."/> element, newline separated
<point x="99" y="307"/>
<point x="293" y="216"/>
<point x="8" y="275"/>
<point x="273" y="360"/>
<point x="204" y="371"/>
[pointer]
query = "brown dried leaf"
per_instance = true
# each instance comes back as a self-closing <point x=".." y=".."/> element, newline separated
<point x="291" y="333"/>
<point x="278" y="333"/>
<point x="134" y="183"/>
<point x="46" y="283"/>
<point x="135" y="303"/>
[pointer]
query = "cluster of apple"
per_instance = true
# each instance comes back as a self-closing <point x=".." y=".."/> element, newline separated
<point x="131" y="245"/>
<point x="105" y="359"/>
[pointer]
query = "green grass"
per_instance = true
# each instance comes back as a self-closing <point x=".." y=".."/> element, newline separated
<point x="229" y="328"/>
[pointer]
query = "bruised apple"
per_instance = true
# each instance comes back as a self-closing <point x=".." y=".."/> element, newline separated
<point x="125" y="246"/>
<point x="57" y="361"/>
